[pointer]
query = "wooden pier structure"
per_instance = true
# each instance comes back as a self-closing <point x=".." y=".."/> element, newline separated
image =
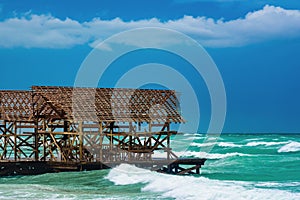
<point x="53" y="129"/>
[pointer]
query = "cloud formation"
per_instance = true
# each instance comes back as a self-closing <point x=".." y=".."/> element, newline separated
<point x="46" y="31"/>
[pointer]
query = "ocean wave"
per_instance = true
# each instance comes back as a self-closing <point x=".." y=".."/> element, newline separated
<point x="211" y="156"/>
<point x="290" y="147"/>
<point x="253" y="139"/>
<point x="220" y="144"/>
<point x="188" y="187"/>
<point x="278" y="184"/>
<point x="228" y="144"/>
<point x="190" y="138"/>
<point x="205" y="144"/>
<point x="254" y="144"/>
<point x="210" y="138"/>
<point x="194" y="135"/>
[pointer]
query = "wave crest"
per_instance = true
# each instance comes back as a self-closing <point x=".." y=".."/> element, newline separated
<point x="188" y="187"/>
<point x="267" y="144"/>
<point x="290" y="147"/>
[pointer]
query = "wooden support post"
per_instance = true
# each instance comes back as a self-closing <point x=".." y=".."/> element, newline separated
<point x="15" y="139"/>
<point x="45" y="144"/>
<point x="111" y="128"/>
<point x="150" y="126"/>
<point x="5" y="141"/>
<point x="131" y="130"/>
<point x="80" y="140"/>
<point x="176" y="168"/>
<point x="36" y="140"/>
<point x="66" y="126"/>
<point x="44" y="147"/>
<point x="198" y="169"/>
<point x="101" y="140"/>
<point x="168" y="141"/>
<point x="169" y="168"/>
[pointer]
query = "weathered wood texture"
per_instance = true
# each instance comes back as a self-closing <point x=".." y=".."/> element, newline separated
<point x="76" y="125"/>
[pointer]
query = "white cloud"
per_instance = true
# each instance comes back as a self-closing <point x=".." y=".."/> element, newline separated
<point x="46" y="31"/>
<point x="42" y="31"/>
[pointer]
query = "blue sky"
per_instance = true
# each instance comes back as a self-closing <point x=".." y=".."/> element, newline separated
<point x="254" y="44"/>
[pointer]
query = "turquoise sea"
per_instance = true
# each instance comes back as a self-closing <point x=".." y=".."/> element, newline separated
<point x="239" y="166"/>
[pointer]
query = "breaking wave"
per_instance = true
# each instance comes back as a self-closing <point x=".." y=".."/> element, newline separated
<point x="188" y="187"/>
<point x="211" y="156"/>
<point x="254" y="144"/>
<point x="290" y="147"/>
<point x="205" y="144"/>
<point x="228" y="144"/>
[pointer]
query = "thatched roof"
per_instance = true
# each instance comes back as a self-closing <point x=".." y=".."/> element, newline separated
<point x="91" y="104"/>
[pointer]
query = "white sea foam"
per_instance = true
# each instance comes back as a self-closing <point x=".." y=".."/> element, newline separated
<point x="253" y="139"/>
<point x="278" y="184"/>
<point x="194" y="135"/>
<point x="190" y="138"/>
<point x="211" y="156"/>
<point x="290" y="147"/>
<point x="210" y="138"/>
<point x="220" y="144"/>
<point x="228" y="144"/>
<point x="205" y="144"/>
<point x="253" y="144"/>
<point x="188" y="187"/>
